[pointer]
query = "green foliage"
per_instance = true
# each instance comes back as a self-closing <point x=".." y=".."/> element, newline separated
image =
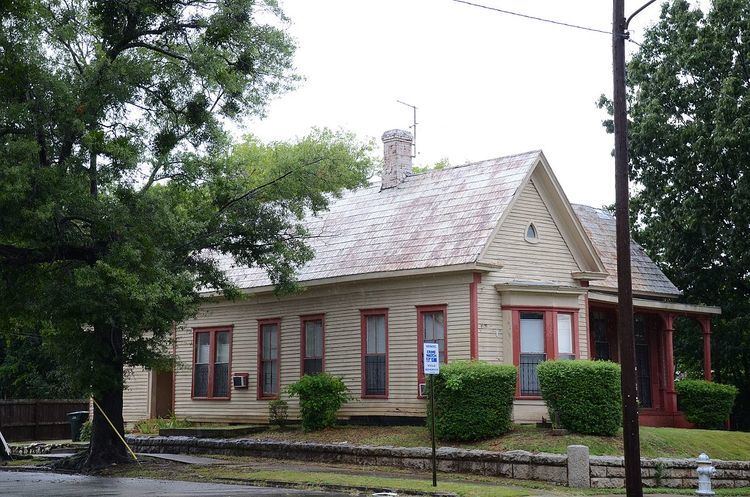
<point x="584" y="395"/>
<point x="120" y="191"/>
<point x="473" y="400"/>
<point x="320" y="398"/>
<point x="153" y="425"/>
<point x="28" y="370"/>
<point x="438" y="166"/>
<point x="689" y="143"/>
<point x="86" y="431"/>
<point x="706" y="404"/>
<point x="278" y="413"/>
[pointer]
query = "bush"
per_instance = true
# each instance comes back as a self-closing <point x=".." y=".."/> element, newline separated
<point x="583" y="396"/>
<point x="706" y="404"/>
<point x="278" y="412"/>
<point x="152" y="426"/>
<point x="473" y="400"/>
<point x="86" y="431"/>
<point x="320" y="398"/>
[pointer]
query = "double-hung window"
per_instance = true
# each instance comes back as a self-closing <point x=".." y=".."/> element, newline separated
<point x="312" y="344"/>
<point x="565" y="348"/>
<point x="532" y="351"/>
<point x="432" y="327"/>
<point x="211" y="357"/>
<point x="374" y="325"/>
<point x="269" y="331"/>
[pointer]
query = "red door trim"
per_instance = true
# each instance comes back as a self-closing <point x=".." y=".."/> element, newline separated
<point x="259" y="394"/>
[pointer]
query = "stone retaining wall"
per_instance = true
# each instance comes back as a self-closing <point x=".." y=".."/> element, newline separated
<point x="605" y="472"/>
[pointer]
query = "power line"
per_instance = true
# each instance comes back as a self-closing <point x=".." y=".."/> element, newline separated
<point x="534" y="18"/>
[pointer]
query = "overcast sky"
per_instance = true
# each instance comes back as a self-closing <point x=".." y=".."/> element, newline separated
<point x="485" y="84"/>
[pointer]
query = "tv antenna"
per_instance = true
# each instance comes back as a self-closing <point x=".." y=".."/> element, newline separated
<point x="413" y="126"/>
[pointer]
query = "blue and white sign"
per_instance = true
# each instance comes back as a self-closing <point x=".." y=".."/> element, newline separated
<point x="431" y="358"/>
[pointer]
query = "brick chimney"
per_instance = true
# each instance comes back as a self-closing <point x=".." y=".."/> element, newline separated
<point x="397" y="149"/>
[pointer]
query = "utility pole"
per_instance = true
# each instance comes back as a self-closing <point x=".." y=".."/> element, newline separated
<point x="630" y="433"/>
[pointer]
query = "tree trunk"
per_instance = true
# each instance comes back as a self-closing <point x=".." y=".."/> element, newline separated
<point x="106" y="446"/>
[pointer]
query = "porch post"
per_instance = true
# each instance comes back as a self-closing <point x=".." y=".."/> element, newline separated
<point x="670" y="402"/>
<point x="706" y="326"/>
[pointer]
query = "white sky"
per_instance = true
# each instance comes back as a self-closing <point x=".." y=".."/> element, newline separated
<point x="485" y="84"/>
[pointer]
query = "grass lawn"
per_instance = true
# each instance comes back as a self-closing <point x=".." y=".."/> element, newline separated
<point x="655" y="442"/>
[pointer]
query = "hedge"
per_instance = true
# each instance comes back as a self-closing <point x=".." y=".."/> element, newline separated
<point x="705" y="404"/>
<point x="582" y="396"/>
<point x="320" y="397"/>
<point x="473" y="400"/>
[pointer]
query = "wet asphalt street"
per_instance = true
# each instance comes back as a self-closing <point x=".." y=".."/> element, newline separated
<point x="22" y="484"/>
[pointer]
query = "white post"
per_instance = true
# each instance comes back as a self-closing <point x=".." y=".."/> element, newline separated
<point x="705" y="472"/>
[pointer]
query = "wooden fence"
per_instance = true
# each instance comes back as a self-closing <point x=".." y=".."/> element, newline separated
<point x="37" y="419"/>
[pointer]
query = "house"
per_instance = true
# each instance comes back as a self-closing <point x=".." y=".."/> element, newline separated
<point x="487" y="259"/>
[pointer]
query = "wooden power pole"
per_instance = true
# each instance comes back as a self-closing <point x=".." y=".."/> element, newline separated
<point x="631" y="436"/>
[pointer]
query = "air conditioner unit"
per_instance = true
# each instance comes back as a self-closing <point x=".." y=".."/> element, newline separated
<point x="239" y="380"/>
<point x="423" y="389"/>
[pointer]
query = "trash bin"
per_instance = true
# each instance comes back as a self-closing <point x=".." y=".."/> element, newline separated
<point x="76" y="420"/>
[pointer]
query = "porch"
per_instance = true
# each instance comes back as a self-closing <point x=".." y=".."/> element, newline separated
<point x="654" y="352"/>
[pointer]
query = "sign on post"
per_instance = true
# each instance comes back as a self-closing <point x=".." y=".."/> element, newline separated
<point x="431" y="358"/>
<point x="431" y="367"/>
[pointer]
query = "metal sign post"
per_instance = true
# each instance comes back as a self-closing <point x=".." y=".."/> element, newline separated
<point x="431" y="367"/>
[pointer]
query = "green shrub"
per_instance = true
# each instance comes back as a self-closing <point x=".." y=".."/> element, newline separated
<point x="473" y="400"/>
<point x="583" y="396"/>
<point x="320" y="398"/>
<point x="706" y="404"/>
<point x="86" y="431"/>
<point x="152" y="426"/>
<point x="278" y="412"/>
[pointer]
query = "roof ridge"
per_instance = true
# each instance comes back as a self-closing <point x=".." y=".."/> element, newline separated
<point x="466" y="164"/>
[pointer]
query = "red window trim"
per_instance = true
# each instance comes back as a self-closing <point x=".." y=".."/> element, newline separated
<point x="212" y="361"/>
<point x="550" y="336"/>
<point x="363" y="313"/>
<point x="302" y="338"/>
<point x="260" y="395"/>
<point x="421" y="309"/>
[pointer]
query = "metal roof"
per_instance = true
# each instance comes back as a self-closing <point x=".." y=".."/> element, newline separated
<point x="433" y="219"/>
<point x="647" y="277"/>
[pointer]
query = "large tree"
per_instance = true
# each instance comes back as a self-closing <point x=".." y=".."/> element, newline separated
<point x="689" y="139"/>
<point x="119" y="189"/>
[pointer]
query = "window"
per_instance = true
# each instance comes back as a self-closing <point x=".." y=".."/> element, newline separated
<point x="432" y="327"/>
<point x="211" y="358"/>
<point x="540" y="334"/>
<point x="532" y="351"/>
<point x="312" y="344"/>
<point x="374" y="353"/>
<point x="531" y="234"/>
<point x="268" y="358"/>
<point x="565" y="348"/>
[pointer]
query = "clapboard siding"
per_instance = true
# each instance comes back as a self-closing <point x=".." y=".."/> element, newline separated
<point x="341" y="305"/>
<point x="548" y="261"/>
<point x="137" y="395"/>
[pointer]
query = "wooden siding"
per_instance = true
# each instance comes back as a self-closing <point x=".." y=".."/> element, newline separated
<point x="341" y="305"/>
<point x="137" y="395"/>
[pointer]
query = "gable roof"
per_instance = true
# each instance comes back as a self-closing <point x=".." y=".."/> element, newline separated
<point x="648" y="279"/>
<point x="434" y="219"/>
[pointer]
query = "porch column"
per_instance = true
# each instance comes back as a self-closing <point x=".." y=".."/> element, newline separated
<point x="706" y="326"/>
<point x="670" y="401"/>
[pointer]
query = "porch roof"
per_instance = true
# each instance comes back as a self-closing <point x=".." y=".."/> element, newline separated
<point x="648" y="279"/>
<point x="674" y="307"/>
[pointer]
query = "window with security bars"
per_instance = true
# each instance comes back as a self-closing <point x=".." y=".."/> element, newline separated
<point x="211" y="364"/>
<point x="532" y="352"/>
<point x="312" y="346"/>
<point x="268" y="368"/>
<point x="375" y="357"/>
<point x="599" y="332"/>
